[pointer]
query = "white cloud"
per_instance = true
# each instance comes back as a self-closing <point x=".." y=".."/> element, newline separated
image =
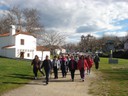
<point x="3" y="12"/>
<point x="2" y="2"/>
<point x="72" y="16"/>
<point x="119" y="34"/>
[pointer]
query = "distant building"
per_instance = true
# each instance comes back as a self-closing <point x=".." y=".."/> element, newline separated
<point x="126" y="45"/>
<point x="20" y="45"/>
<point x="60" y="50"/>
<point x="86" y="44"/>
<point x="108" y="46"/>
<point x="57" y="50"/>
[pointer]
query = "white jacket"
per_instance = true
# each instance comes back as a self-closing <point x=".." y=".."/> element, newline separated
<point x="56" y="63"/>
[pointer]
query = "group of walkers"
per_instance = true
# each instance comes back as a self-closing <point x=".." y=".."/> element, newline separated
<point x="65" y="64"/>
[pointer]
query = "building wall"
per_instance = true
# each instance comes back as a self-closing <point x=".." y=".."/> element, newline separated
<point x="126" y="46"/>
<point x="8" y="40"/>
<point x="63" y="50"/>
<point x="11" y="40"/>
<point x="8" y="53"/>
<point x="4" y="41"/>
<point x="39" y="54"/>
<point x="28" y="53"/>
<point x="29" y="42"/>
<point x="42" y="55"/>
<point x="29" y="47"/>
<point x="57" y="51"/>
<point x="46" y="53"/>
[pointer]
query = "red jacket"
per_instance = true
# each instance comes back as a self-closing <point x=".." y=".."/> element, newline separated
<point x="90" y="62"/>
<point x="80" y="64"/>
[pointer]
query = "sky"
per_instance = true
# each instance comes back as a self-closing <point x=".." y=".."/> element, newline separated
<point x="78" y="17"/>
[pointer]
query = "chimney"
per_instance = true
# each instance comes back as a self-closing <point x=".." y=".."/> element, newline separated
<point x="12" y="30"/>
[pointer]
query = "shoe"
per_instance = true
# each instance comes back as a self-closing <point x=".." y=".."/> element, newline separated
<point x="56" y="78"/>
<point x="46" y="83"/>
<point x="35" y="78"/>
<point x="83" y="80"/>
<point x="43" y="74"/>
<point x="72" y="80"/>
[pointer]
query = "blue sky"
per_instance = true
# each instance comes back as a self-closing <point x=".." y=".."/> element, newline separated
<point x="78" y="17"/>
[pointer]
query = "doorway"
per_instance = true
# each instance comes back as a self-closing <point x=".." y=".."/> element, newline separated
<point x="22" y="55"/>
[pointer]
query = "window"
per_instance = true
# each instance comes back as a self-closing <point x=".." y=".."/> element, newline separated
<point x="22" y="41"/>
<point x="28" y="55"/>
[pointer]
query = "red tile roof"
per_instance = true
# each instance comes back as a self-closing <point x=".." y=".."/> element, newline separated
<point x="41" y="48"/>
<point x="17" y="33"/>
<point x="8" y="46"/>
<point x="4" y="34"/>
<point x="25" y="33"/>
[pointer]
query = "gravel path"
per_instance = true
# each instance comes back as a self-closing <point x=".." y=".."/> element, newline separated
<point x="56" y="87"/>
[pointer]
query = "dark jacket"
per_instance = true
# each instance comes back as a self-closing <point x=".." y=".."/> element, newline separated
<point x="36" y="64"/>
<point x="63" y="64"/>
<point x="74" y="66"/>
<point x="47" y="65"/>
<point x="96" y="59"/>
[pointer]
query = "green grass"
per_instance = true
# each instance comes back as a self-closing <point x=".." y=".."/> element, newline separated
<point x="112" y="79"/>
<point x="14" y="73"/>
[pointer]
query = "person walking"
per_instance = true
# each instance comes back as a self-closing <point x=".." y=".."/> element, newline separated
<point x="96" y="61"/>
<point x="47" y="65"/>
<point x="82" y="65"/>
<point x="76" y="58"/>
<point x="56" y="64"/>
<point x="90" y="63"/>
<point x="72" y="67"/>
<point x="36" y="63"/>
<point x="63" y="66"/>
<point x="67" y="62"/>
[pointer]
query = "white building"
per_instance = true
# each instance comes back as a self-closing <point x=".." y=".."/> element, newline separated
<point x="20" y="45"/>
<point x="60" y="50"/>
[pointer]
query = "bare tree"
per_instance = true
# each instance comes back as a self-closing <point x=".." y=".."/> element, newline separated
<point x="32" y="20"/>
<point x="71" y="47"/>
<point x="16" y="13"/>
<point x="118" y="42"/>
<point x="3" y="27"/>
<point x="51" y="39"/>
<point x="26" y="18"/>
<point x="87" y="43"/>
<point x="5" y="22"/>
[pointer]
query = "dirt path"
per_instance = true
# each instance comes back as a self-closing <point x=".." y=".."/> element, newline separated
<point x="56" y="87"/>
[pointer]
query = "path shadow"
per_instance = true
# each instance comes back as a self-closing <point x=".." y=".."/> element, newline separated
<point x="19" y="83"/>
<point x="56" y="80"/>
<point x="22" y="76"/>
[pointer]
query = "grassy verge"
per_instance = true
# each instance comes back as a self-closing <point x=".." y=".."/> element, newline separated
<point x="14" y="73"/>
<point x="111" y="80"/>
